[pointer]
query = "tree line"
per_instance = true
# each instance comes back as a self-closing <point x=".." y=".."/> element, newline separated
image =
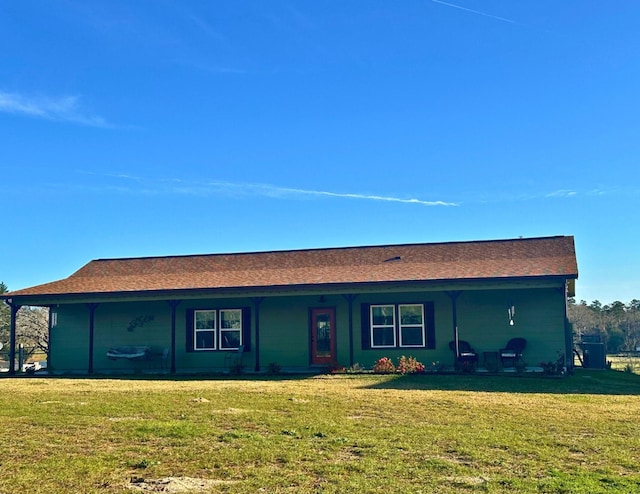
<point x="616" y="324"/>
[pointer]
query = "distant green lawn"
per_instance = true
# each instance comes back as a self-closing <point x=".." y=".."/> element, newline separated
<point x="627" y="363"/>
<point x="343" y="433"/>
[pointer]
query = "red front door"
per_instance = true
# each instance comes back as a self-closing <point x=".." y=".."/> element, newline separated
<point x="323" y="336"/>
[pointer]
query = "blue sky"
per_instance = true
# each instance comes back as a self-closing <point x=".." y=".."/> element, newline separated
<point x="177" y="127"/>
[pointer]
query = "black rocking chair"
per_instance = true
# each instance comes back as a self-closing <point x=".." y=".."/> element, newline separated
<point x="467" y="358"/>
<point x="512" y="352"/>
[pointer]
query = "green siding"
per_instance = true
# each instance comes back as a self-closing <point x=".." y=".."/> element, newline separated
<point x="111" y="330"/>
<point x="214" y="360"/>
<point x="443" y="327"/>
<point x="539" y="318"/>
<point x="284" y="328"/>
<point x="69" y="344"/>
<point x="70" y="337"/>
<point x="284" y="331"/>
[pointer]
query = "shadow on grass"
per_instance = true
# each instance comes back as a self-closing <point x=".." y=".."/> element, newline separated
<point x="209" y="376"/>
<point x="598" y="382"/>
<point x="605" y="382"/>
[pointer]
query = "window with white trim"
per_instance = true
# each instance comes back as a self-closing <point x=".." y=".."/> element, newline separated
<point x="230" y="329"/>
<point x="397" y="326"/>
<point x="411" y="328"/>
<point x="383" y="323"/>
<point x="204" y="329"/>
<point x="218" y="329"/>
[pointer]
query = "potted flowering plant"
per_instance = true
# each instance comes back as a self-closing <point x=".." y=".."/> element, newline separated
<point x="384" y="366"/>
<point x="409" y="365"/>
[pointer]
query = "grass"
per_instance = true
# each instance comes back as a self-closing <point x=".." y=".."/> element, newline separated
<point x="344" y="433"/>
<point x="626" y="363"/>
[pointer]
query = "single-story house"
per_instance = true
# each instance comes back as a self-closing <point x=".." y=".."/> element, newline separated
<point x="308" y="309"/>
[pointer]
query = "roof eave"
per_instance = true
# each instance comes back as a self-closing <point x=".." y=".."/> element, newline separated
<point x="169" y="294"/>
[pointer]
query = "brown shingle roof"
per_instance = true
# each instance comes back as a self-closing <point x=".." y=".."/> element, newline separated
<point x="497" y="259"/>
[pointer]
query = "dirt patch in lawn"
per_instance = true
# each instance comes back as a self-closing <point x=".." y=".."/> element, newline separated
<point x="174" y="484"/>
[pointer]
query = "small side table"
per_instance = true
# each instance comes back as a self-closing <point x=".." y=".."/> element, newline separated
<point x="491" y="360"/>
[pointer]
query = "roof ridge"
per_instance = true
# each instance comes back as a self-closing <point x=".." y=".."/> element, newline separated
<point x="416" y="262"/>
<point x="320" y="249"/>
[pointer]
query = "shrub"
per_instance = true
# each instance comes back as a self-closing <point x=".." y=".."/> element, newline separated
<point x="384" y="366"/>
<point x="335" y="368"/>
<point x="355" y="369"/>
<point x="236" y="369"/>
<point x="274" y="368"/>
<point x="437" y="367"/>
<point x="553" y="368"/>
<point x="409" y="365"/>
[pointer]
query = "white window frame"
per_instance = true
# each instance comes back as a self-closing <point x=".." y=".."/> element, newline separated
<point x="217" y="330"/>
<point x="397" y="326"/>
<point x="421" y="326"/>
<point x="197" y="330"/>
<point x="230" y="330"/>
<point x="373" y="327"/>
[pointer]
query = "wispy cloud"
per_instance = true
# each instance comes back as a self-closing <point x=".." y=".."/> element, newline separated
<point x="599" y="192"/>
<point x="562" y="193"/>
<point x="271" y="190"/>
<point x="498" y="18"/>
<point x="538" y="194"/>
<point x="240" y="189"/>
<point x="526" y="195"/>
<point x="63" y="109"/>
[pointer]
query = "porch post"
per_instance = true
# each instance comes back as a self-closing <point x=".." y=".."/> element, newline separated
<point x="568" y="331"/>
<point x="454" y="313"/>
<point x="256" y="306"/>
<point x="92" y="310"/>
<point x="173" y="304"/>
<point x="49" y="327"/>
<point x="12" y="338"/>
<point x="350" y="298"/>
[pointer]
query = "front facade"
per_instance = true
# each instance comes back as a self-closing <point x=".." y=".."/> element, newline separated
<point x="309" y="309"/>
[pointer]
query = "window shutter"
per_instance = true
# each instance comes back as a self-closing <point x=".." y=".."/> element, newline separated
<point x="366" y="327"/>
<point x="430" y="321"/>
<point x="246" y="328"/>
<point x="189" y="329"/>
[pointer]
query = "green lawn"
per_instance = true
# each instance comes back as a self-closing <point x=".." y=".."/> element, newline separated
<point x="627" y="363"/>
<point x="343" y="433"/>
